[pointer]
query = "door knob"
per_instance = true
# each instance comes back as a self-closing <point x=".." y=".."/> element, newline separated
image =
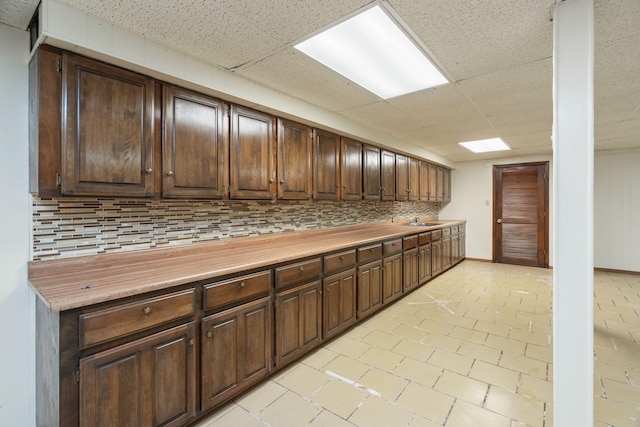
<point x="499" y="221"/>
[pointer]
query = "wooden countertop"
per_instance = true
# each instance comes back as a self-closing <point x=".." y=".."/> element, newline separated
<point x="70" y="283"/>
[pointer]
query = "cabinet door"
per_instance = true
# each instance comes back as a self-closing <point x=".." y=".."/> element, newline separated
<point x="402" y="177"/>
<point x="433" y="183"/>
<point x="371" y="186"/>
<point x="338" y="303"/>
<point x="455" y="249"/>
<point x="410" y="269"/>
<point x="437" y="261"/>
<point x="391" y="278"/>
<point x="369" y="288"/>
<point x="294" y="160"/>
<point x="194" y="145"/>
<point x="424" y="181"/>
<point x="326" y="166"/>
<point x="463" y="245"/>
<point x="424" y="263"/>
<point x="252" y="167"/>
<point x="298" y="322"/>
<point x="235" y="351"/>
<point x="148" y="382"/>
<point x="440" y="184"/>
<point x="107" y="131"/>
<point x="446" y="185"/>
<point x="388" y="175"/>
<point x="446" y="253"/>
<point x="351" y="169"/>
<point x="414" y="179"/>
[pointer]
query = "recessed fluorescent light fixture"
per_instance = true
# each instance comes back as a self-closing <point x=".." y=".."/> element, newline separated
<point x="485" y="145"/>
<point x="374" y="52"/>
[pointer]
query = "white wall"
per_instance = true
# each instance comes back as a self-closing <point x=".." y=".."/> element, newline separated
<point x="472" y="200"/>
<point x="617" y="210"/>
<point x="17" y="357"/>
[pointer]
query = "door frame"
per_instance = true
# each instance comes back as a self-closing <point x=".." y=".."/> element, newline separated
<point x="496" y="212"/>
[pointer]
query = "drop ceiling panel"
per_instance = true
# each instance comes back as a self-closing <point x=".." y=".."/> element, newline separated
<point x="17" y="13"/>
<point x="519" y="122"/>
<point x="614" y="108"/>
<point x="535" y="140"/>
<point x="383" y="115"/>
<point x="453" y="132"/>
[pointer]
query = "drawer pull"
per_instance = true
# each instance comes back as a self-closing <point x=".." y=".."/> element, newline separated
<point x="147" y="310"/>
<point x="243" y="284"/>
<point x="371" y="250"/>
<point x="301" y="268"/>
<point x="341" y="258"/>
<point x="192" y="342"/>
<point x="209" y="334"/>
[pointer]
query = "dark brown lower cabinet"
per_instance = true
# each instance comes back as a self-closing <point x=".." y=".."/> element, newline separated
<point x="437" y="261"/>
<point x="391" y="278"/>
<point x="369" y="288"/>
<point x="298" y="321"/>
<point x="424" y="263"/>
<point x="339" y="302"/>
<point x="462" y="251"/>
<point x="235" y="351"/>
<point x="455" y="249"/>
<point x="147" y="382"/>
<point x="410" y="270"/>
<point x="446" y="253"/>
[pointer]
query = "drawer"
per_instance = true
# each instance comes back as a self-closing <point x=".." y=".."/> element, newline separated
<point x="114" y="322"/>
<point x="446" y="231"/>
<point x="410" y="242"/>
<point x="436" y="235"/>
<point x="424" y="238"/>
<point x="340" y="261"/>
<point x="461" y="227"/>
<point x="392" y="247"/>
<point x="236" y="289"/>
<point x="369" y="253"/>
<point x="299" y="272"/>
<point x="454" y="229"/>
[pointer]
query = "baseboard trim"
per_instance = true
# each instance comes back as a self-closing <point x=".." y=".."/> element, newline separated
<point x="479" y="260"/>
<point x="612" y="270"/>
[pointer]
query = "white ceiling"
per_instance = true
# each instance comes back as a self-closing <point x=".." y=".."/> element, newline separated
<point x="497" y="53"/>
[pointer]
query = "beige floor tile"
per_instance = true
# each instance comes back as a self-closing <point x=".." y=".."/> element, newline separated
<point x="616" y="357"/>
<point x="261" y="396"/>
<point x="495" y="375"/>
<point x="535" y="388"/>
<point x="500" y="328"/>
<point x="319" y="358"/>
<point x="462" y="387"/>
<point x="303" y="380"/>
<point x="380" y="323"/>
<point x="537" y="338"/>
<point x="339" y="397"/>
<point x="426" y="402"/>
<point x="235" y="417"/>
<point x="442" y="341"/>
<point x="451" y="361"/>
<point x="436" y="326"/>
<point x="349" y="346"/>
<point x="615" y="414"/>
<point x="411" y="320"/>
<point x="469" y="335"/>
<point x="505" y="344"/>
<point x="537" y="352"/>
<point x="524" y="364"/>
<point x="379" y="412"/>
<point x="465" y="414"/>
<point x="487" y="316"/>
<point x="328" y="419"/>
<point x="381" y="339"/>
<point x="418" y="372"/>
<point x="388" y="385"/>
<point x="480" y="352"/>
<point x="612" y="372"/>
<point x="519" y="408"/>
<point x="214" y="416"/>
<point x="410" y="332"/>
<point x="621" y="392"/>
<point x="289" y="410"/>
<point x="346" y="367"/>
<point x="381" y="359"/>
<point x="414" y="349"/>
<point x="418" y="421"/>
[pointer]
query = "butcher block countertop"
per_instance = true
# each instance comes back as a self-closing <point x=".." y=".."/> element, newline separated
<point x="71" y="283"/>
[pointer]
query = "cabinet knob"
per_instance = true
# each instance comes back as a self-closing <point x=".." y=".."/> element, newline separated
<point x="169" y="173"/>
<point x="344" y="186"/>
<point x="301" y="268"/>
<point x="147" y="310"/>
<point x="192" y="342"/>
<point x="500" y="221"/>
<point x="148" y="170"/>
<point x="243" y="284"/>
<point x="282" y="181"/>
<point x="337" y="185"/>
<point x="209" y="334"/>
<point x="341" y="258"/>
<point x="271" y="181"/>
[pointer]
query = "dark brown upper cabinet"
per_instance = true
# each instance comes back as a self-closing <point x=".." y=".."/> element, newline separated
<point x="402" y="177"/>
<point x="194" y="145"/>
<point x="252" y="160"/>
<point x="388" y="175"/>
<point x="326" y="165"/>
<point x="295" y="144"/>
<point x="424" y="181"/>
<point x="414" y="179"/>
<point x="433" y="183"/>
<point x="371" y="187"/>
<point x="107" y="130"/>
<point x="446" y="185"/>
<point x="351" y="169"/>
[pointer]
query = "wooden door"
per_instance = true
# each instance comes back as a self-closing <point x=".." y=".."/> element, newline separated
<point x="148" y="382"/>
<point x="391" y="278"/>
<point x="252" y="159"/>
<point x="414" y="179"/>
<point x="298" y="321"/>
<point x="107" y="131"/>
<point x="520" y="214"/>
<point x="369" y="288"/>
<point x="402" y="177"/>
<point x="371" y="187"/>
<point x="411" y="277"/>
<point x="351" y="169"/>
<point x="424" y="181"/>
<point x="433" y="183"/>
<point x="339" y="303"/>
<point x="326" y="166"/>
<point x="294" y="160"/>
<point x="194" y="145"/>
<point x="387" y="175"/>
<point x="235" y="351"/>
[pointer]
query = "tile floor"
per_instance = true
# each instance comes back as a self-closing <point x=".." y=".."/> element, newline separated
<point x="473" y="347"/>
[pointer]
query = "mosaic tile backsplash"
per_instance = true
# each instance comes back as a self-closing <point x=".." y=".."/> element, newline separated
<point x="87" y="226"/>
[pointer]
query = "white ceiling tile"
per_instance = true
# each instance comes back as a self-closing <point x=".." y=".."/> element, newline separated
<point x="616" y="107"/>
<point x="539" y="140"/>
<point x="519" y="122"/>
<point x="17" y="13"/>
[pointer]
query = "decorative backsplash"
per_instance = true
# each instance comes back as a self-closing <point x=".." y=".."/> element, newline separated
<point x="87" y="226"/>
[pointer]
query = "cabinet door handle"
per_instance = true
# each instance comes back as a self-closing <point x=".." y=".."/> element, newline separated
<point x="209" y="334"/>
<point x="147" y="310"/>
<point x="148" y="170"/>
<point x="499" y="220"/>
<point x="271" y="181"/>
<point x="243" y="284"/>
<point x="192" y="342"/>
<point x="169" y="173"/>
<point x="341" y="258"/>
<point x="301" y="268"/>
<point x="282" y="181"/>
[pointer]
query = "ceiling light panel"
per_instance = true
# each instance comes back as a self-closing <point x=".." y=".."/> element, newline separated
<point x="371" y="50"/>
<point x="485" y="145"/>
